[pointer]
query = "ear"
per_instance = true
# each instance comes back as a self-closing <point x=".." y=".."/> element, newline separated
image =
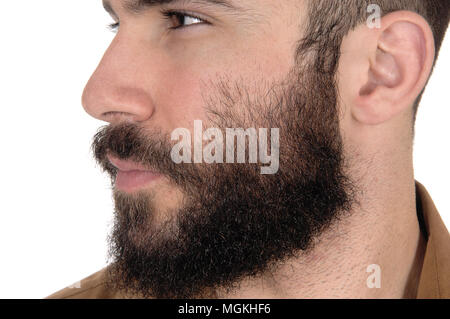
<point x="390" y="67"/>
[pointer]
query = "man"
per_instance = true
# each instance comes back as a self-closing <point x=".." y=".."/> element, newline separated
<point x="323" y="205"/>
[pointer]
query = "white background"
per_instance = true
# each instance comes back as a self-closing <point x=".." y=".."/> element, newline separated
<point x="56" y="208"/>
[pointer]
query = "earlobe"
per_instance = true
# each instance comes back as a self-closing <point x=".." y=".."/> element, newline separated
<point x="398" y="68"/>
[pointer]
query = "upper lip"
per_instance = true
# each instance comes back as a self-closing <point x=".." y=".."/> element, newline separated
<point x="126" y="165"/>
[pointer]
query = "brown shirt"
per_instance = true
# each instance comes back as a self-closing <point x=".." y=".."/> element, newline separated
<point x="434" y="279"/>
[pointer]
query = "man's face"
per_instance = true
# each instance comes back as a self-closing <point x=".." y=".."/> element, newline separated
<point x="158" y="77"/>
<point x="192" y="229"/>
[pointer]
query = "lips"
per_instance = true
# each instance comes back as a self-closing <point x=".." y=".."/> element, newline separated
<point x="132" y="176"/>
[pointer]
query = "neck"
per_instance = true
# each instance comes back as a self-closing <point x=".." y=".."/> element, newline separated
<point x="383" y="230"/>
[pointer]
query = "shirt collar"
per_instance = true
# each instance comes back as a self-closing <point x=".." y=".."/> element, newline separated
<point x="434" y="279"/>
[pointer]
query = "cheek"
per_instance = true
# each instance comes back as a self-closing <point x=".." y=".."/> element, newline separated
<point x="180" y="99"/>
<point x="182" y="89"/>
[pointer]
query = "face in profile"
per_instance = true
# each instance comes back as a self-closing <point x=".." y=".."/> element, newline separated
<point x="194" y="229"/>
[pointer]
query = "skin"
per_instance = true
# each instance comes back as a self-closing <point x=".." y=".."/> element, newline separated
<point x="153" y="76"/>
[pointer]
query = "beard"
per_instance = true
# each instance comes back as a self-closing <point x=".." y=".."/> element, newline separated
<point x="233" y="222"/>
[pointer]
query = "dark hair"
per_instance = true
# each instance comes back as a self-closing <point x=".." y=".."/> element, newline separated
<point x="331" y="20"/>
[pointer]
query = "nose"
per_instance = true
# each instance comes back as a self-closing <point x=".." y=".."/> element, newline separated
<point x="118" y="90"/>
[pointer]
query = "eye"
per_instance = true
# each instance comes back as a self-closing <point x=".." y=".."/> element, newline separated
<point x="114" y="27"/>
<point x="178" y="18"/>
<point x="182" y="19"/>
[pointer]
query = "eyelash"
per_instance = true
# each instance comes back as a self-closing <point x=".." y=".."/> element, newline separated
<point x="113" y="26"/>
<point x="168" y="15"/>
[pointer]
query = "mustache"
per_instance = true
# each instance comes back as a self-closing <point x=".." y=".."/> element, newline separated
<point x="129" y="141"/>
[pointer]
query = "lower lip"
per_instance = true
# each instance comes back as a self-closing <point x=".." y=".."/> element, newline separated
<point x="129" y="181"/>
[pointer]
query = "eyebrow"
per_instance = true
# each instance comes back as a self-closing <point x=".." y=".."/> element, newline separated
<point x="137" y="6"/>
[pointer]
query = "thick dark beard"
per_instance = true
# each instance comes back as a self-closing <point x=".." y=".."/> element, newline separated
<point x="235" y="222"/>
